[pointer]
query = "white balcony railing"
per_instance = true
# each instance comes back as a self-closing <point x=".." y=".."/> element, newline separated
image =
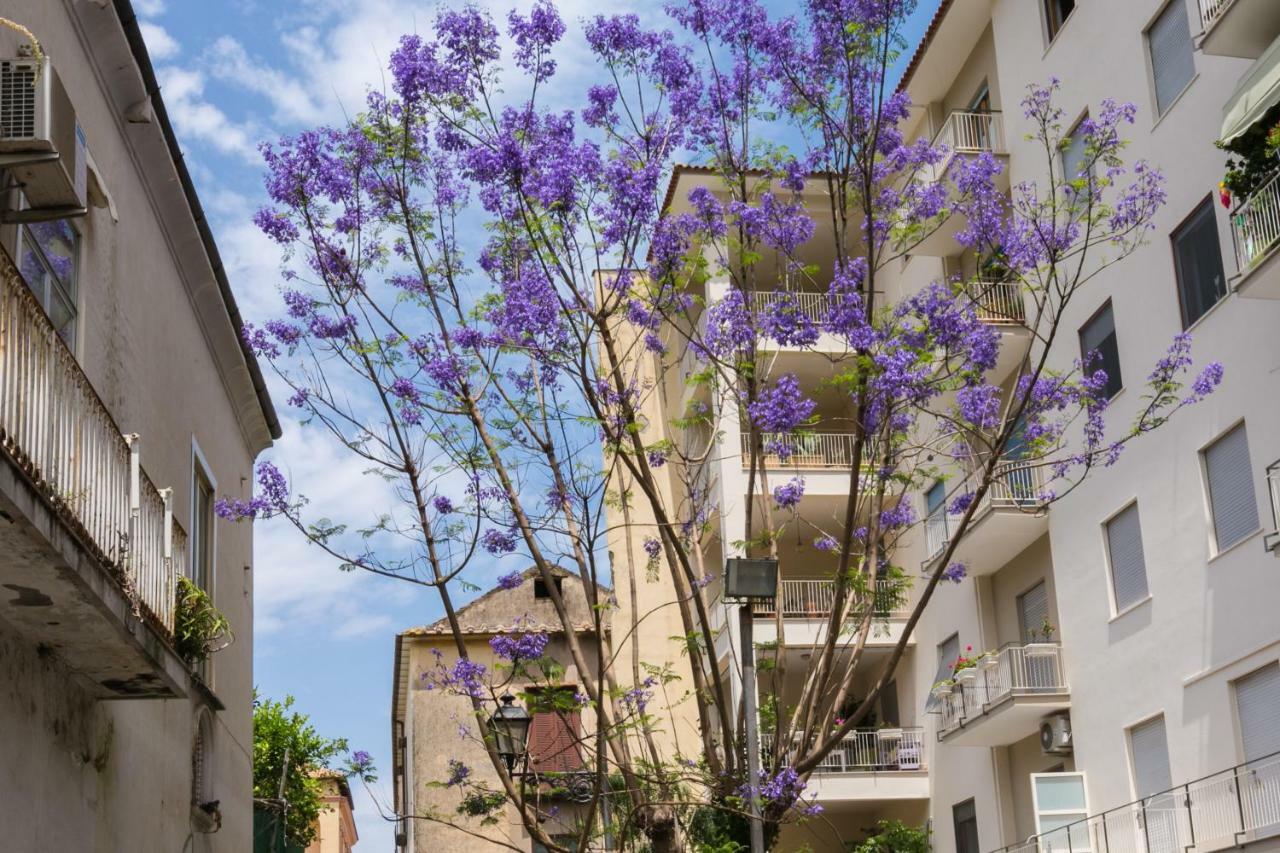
<point x="54" y="427"/>
<point x="972" y="133"/>
<point x="807" y="450"/>
<point x="812" y="305"/>
<point x="1211" y="11"/>
<point x="870" y="750"/>
<point x="1016" y="485"/>
<point x="1255" y="225"/>
<point x="997" y="302"/>
<point x="812" y="599"/>
<point x="1222" y="811"/>
<point x="1029" y="670"/>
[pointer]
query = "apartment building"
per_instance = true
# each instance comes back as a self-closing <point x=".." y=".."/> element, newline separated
<point x="127" y="402"/>
<point x="1128" y="692"/>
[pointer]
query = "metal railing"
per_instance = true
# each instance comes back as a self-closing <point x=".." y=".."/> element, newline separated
<point x="1015" y="485"/>
<point x="1255" y="225"/>
<point x="803" y="450"/>
<point x="972" y="133"/>
<point x="813" y="598"/>
<point x="812" y="305"/>
<point x="1223" y="810"/>
<point x="870" y="751"/>
<point x="56" y="430"/>
<point x="1211" y="11"/>
<point x="1015" y="670"/>
<point x="1272" y="540"/>
<point x="997" y="302"/>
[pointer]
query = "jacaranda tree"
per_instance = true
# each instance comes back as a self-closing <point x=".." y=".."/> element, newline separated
<point x="483" y="283"/>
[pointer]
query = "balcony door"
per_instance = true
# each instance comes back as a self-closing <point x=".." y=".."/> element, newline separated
<point x="1258" y="713"/>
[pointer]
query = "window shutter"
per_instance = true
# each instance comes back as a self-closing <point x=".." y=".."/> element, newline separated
<point x="1128" y="566"/>
<point x="1150" y="748"/>
<point x="1172" y="64"/>
<point x="1235" y="511"/>
<point x="553" y="741"/>
<point x="1033" y="609"/>
<point x="948" y="651"/>
<point x="1258" y="708"/>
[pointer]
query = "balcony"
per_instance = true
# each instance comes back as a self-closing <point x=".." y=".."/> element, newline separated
<point x="1004" y="698"/>
<point x="1255" y="231"/>
<point x="1224" y="811"/>
<point x="806" y="606"/>
<point x="91" y="553"/>
<point x="1243" y="28"/>
<point x="963" y="134"/>
<point x="1008" y="519"/>
<point x="870" y="764"/>
<point x="1000" y="304"/>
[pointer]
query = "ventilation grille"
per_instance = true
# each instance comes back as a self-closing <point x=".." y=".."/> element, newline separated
<point x="17" y="100"/>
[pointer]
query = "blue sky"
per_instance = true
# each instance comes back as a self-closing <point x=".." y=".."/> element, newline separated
<point x="234" y="73"/>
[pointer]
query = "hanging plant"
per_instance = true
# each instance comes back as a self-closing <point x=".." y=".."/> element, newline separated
<point x="199" y="629"/>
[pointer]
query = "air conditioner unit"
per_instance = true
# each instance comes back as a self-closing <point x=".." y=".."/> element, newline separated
<point x="41" y="144"/>
<point x="1055" y="735"/>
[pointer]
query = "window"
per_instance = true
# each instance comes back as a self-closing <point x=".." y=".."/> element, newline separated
<point x="48" y="258"/>
<point x="540" y="589"/>
<point x="1258" y="710"/>
<point x="1230" y="480"/>
<point x="1056" y="13"/>
<point x="202" y="519"/>
<point x="1197" y="258"/>
<point x="1033" y="613"/>
<point x="948" y="652"/>
<point x="1075" y="152"/>
<point x="1150" y="750"/>
<point x="1060" y="800"/>
<point x="1124" y="552"/>
<point x="1099" y="336"/>
<point x="553" y="734"/>
<point x="1170" y="48"/>
<point x="964" y="818"/>
<point x="889" y="705"/>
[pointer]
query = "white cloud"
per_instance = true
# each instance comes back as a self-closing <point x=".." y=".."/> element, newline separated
<point x="160" y="45"/>
<point x="227" y="60"/>
<point x="149" y="8"/>
<point x="197" y="118"/>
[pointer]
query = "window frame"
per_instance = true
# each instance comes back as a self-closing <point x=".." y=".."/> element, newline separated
<point x="52" y="288"/>
<point x="1116" y="609"/>
<point x="1234" y="684"/>
<point x="1017" y="604"/>
<point x="1196" y="209"/>
<point x="1211" y="520"/>
<point x="1053" y="24"/>
<point x="1133" y="764"/>
<point x="1151" y="65"/>
<point x="972" y="803"/>
<point x="1035" y="801"/>
<point x="1115" y="333"/>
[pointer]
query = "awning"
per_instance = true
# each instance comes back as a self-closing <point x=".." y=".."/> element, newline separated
<point x="1257" y="92"/>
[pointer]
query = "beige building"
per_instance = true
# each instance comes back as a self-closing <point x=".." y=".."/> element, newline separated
<point x="1135" y="649"/>
<point x="336" y="825"/>
<point x="127" y="402"/>
<point x="429" y="727"/>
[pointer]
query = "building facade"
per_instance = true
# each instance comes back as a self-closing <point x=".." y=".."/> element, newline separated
<point x="127" y="402"/>
<point x="336" y="825"/>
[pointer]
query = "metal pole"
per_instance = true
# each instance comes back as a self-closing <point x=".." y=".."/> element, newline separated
<point x="745" y="625"/>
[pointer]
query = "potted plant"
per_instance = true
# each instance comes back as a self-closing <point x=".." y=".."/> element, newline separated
<point x="1042" y="640"/>
<point x="942" y="689"/>
<point x="989" y="660"/>
<point x="965" y="670"/>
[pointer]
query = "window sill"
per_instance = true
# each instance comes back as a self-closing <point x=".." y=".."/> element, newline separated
<point x="1132" y="607"/>
<point x="1213" y="308"/>
<point x="1235" y="545"/>
<point x="1066" y="22"/>
<point x="1176" y="100"/>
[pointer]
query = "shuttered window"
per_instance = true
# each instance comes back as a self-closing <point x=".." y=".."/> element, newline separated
<point x="553" y="736"/>
<point x="1033" y="612"/>
<point x="948" y="651"/>
<point x="1150" y="748"/>
<point x="1235" y="510"/>
<point x="1172" y="64"/>
<point x="1197" y="256"/>
<point x="1258" y="709"/>
<point x="1128" y="566"/>
<point x="1099" y="336"/>
<point x="964" y="818"/>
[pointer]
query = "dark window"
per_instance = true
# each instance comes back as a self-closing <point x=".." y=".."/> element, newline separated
<point x="1056" y="13"/>
<point x="202" y="530"/>
<point x="889" y="705"/>
<point x="1099" y="336"/>
<point x="1197" y="258"/>
<point x="540" y="588"/>
<point x="965" y="819"/>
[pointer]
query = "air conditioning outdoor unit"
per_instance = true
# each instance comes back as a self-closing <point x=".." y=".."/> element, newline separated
<point x="1055" y="735"/>
<point x="41" y="143"/>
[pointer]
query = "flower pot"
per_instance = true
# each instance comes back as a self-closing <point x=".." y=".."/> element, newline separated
<point x="1040" y="649"/>
<point x="989" y="661"/>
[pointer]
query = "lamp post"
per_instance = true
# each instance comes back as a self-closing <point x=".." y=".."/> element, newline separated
<point x="747" y="581"/>
<point x="510" y="725"/>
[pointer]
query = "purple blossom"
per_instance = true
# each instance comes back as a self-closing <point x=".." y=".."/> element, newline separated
<point x="652" y="547"/>
<point x="788" y="495"/>
<point x="458" y="773"/>
<point x="497" y="541"/>
<point x="955" y="572"/>
<point x="783" y="407"/>
<point x="442" y="504"/>
<point x="519" y="647"/>
<point x="510" y="581"/>
<point x="826" y="543"/>
<point x="272" y="497"/>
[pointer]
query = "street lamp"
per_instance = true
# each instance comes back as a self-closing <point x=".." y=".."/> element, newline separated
<point x="510" y="730"/>
<point x="748" y="580"/>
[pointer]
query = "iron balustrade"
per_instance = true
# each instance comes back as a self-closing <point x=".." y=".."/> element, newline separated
<point x="1014" y="485"/>
<point x="870" y="751"/>
<point x="813" y="598"/>
<point x="812" y="305"/>
<point x="1216" y="812"/>
<point x="1255" y="224"/>
<point x="806" y="450"/>
<point x="58" y="432"/>
<point x="1211" y="11"/>
<point x="997" y="302"/>
<point x="969" y="133"/>
<point x="1014" y="670"/>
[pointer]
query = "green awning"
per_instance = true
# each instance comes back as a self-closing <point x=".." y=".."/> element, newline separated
<point x="1257" y="92"/>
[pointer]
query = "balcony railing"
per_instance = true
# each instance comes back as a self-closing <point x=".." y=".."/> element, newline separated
<point x="812" y="305"/>
<point x="971" y="133"/>
<point x="997" y="302"/>
<point x="56" y="430"/>
<point x="1255" y="225"/>
<point x="870" y="751"/>
<point x="1218" y="812"/>
<point x="1272" y="540"/>
<point x="1033" y="669"/>
<point x="812" y="599"/>
<point x="803" y="450"/>
<point x="1210" y="11"/>
<point x="1015" y="486"/>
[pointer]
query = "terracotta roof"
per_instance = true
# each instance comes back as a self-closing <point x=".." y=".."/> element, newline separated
<point x="943" y="7"/>
<point x="522" y="622"/>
